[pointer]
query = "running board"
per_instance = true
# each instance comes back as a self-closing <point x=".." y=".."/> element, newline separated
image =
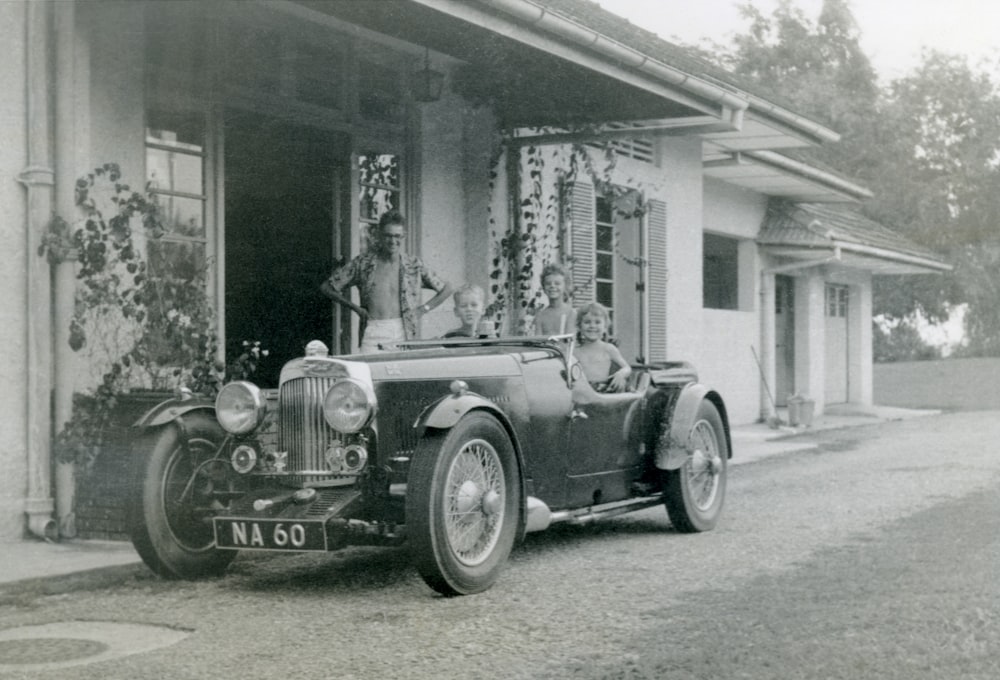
<point x="540" y="516"/>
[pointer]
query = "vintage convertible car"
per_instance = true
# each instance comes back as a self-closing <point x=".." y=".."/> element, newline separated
<point x="457" y="447"/>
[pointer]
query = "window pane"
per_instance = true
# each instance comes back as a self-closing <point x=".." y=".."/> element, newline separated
<point x="720" y="272"/>
<point x="605" y="266"/>
<point x="604" y="211"/>
<point x="606" y="294"/>
<point x="182" y="216"/>
<point x="171" y="171"/>
<point x="181" y="130"/>
<point x="605" y="238"/>
<point x="378" y="168"/>
<point x="376" y="201"/>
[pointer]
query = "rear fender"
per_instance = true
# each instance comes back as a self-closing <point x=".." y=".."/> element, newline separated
<point x="172" y="409"/>
<point x="682" y="420"/>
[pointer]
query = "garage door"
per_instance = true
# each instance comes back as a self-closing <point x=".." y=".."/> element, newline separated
<point x="836" y="344"/>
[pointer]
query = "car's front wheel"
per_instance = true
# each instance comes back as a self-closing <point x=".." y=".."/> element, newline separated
<point x="694" y="493"/>
<point x="462" y="503"/>
<point x="174" y="484"/>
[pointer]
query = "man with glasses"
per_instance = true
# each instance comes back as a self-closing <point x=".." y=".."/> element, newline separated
<point x="390" y="284"/>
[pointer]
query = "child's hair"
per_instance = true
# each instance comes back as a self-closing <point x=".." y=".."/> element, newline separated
<point x="597" y="309"/>
<point x="469" y="289"/>
<point x="554" y="268"/>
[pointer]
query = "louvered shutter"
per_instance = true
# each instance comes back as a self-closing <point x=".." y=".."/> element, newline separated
<point x="582" y="223"/>
<point x="657" y="283"/>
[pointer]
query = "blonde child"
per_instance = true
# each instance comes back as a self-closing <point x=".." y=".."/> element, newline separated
<point x="597" y="356"/>
<point x="470" y="302"/>
<point x="558" y="317"/>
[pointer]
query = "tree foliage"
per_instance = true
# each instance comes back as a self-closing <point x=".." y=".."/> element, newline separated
<point x="927" y="145"/>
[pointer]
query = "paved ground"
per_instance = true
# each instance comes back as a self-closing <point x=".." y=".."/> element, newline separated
<point x="30" y="560"/>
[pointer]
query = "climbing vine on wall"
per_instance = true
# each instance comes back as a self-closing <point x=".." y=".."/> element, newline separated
<point x="539" y="219"/>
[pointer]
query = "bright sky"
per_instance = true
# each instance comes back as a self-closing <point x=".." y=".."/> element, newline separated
<point x="892" y="31"/>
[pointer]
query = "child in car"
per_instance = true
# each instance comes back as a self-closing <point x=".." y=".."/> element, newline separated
<point x="558" y="317"/>
<point x="470" y="303"/>
<point x="596" y="355"/>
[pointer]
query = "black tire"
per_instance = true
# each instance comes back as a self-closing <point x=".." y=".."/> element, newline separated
<point x="464" y="479"/>
<point x="174" y="537"/>
<point x="695" y="492"/>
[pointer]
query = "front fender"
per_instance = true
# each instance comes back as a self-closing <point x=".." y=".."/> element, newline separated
<point x="673" y="455"/>
<point x="172" y="409"/>
<point x="447" y="411"/>
<point x="445" y="414"/>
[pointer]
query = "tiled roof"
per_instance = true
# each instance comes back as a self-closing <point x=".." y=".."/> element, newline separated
<point x="824" y="225"/>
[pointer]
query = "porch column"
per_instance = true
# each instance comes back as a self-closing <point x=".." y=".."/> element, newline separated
<point x="768" y="369"/>
<point x="810" y="334"/>
<point x="37" y="179"/>
<point x="859" y="326"/>
<point x="64" y="269"/>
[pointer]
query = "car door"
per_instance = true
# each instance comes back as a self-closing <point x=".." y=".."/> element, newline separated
<point x="603" y="453"/>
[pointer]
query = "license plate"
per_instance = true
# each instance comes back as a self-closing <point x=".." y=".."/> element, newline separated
<point x="269" y="534"/>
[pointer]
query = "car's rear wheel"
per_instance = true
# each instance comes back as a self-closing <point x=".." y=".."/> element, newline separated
<point x="174" y="479"/>
<point x="694" y="493"/>
<point x="462" y="503"/>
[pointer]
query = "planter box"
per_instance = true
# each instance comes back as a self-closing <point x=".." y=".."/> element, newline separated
<point x="102" y="491"/>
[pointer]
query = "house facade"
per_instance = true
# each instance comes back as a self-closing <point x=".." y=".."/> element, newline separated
<point x="274" y="132"/>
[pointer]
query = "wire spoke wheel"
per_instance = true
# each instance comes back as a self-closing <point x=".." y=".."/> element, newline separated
<point x="695" y="492"/>
<point x="704" y="468"/>
<point x="463" y="502"/>
<point x="474" y="492"/>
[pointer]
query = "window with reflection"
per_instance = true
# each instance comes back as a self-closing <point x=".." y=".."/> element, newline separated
<point x="720" y="272"/>
<point x="175" y="175"/>
<point x="604" y="254"/>
<point x="379" y="188"/>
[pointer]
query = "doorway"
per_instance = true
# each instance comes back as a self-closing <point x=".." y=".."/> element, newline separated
<point x="284" y="189"/>
<point x="836" y="344"/>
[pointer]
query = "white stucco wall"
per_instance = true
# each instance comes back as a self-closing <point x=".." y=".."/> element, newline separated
<point x="727" y="363"/>
<point x="732" y="336"/>
<point x="13" y="303"/>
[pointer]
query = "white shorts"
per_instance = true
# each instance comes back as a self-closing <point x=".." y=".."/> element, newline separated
<point x="381" y="335"/>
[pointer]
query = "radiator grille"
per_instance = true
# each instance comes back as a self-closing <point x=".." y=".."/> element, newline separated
<point x="303" y="432"/>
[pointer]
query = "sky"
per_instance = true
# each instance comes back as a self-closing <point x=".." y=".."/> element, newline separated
<point x="892" y="31"/>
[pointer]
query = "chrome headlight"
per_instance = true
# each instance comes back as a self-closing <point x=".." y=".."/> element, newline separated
<point x="240" y="407"/>
<point x="349" y="405"/>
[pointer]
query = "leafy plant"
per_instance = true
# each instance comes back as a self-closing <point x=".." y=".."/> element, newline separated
<point x="536" y="235"/>
<point x="145" y="318"/>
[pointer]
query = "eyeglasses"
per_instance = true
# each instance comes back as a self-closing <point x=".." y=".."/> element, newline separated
<point x="393" y="237"/>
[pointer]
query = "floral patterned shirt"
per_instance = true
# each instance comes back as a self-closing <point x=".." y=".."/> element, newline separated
<point x="414" y="276"/>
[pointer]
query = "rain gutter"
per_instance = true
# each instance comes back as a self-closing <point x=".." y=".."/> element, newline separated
<point x="821" y="133"/>
<point x="782" y="162"/>
<point x="894" y="256"/>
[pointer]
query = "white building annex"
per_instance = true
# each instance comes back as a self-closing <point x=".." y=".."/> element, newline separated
<point x="277" y="130"/>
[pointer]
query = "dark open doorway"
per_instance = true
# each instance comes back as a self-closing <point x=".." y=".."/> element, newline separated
<point x="283" y="186"/>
